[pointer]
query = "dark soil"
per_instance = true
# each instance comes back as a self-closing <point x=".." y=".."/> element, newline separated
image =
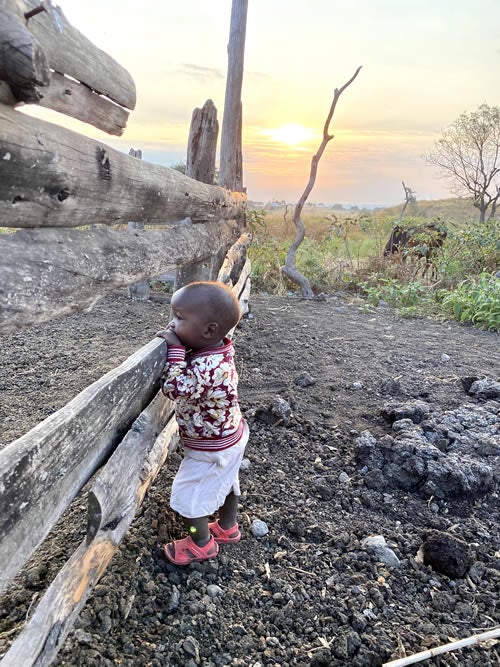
<point x="363" y="425"/>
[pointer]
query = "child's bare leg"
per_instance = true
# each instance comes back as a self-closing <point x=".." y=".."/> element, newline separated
<point x="198" y="530"/>
<point x="228" y="512"/>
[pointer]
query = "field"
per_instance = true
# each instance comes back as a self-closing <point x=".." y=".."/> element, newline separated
<point x="343" y="250"/>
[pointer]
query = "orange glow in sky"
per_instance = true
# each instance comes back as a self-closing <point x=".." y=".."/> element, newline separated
<point x="424" y="63"/>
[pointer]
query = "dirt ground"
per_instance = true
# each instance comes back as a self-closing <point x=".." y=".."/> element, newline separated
<point x="363" y="425"/>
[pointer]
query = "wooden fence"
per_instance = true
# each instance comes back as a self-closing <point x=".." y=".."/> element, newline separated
<point x="52" y="182"/>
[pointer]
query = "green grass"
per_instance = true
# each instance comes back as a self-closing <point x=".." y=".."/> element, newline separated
<point x="343" y="251"/>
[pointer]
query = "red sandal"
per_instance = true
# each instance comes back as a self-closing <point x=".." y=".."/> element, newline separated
<point x="183" y="552"/>
<point x="224" y="536"/>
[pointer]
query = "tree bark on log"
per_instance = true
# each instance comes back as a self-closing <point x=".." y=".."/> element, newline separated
<point x="46" y="630"/>
<point x="46" y="273"/>
<point x="76" y="100"/>
<point x="23" y="63"/>
<point x="53" y="177"/>
<point x="290" y="270"/>
<point x="48" y="466"/>
<point x="69" y="52"/>
<point x="230" y="156"/>
<point x="234" y="260"/>
<point x="202" y="144"/>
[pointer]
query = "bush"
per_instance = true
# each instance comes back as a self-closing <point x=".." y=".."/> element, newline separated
<point x="475" y="300"/>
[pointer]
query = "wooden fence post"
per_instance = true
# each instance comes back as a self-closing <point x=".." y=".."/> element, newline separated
<point x="202" y="144"/>
<point x="231" y="176"/>
<point x="138" y="291"/>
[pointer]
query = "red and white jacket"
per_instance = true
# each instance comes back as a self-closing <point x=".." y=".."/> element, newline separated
<point x="204" y="386"/>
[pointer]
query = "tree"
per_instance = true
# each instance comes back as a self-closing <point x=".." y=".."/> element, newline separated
<point x="410" y="198"/>
<point x="468" y="155"/>
<point x="290" y="270"/>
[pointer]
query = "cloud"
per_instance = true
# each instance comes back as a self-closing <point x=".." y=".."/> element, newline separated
<point x="201" y="73"/>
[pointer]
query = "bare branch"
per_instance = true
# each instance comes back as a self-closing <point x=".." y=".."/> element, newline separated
<point x="289" y="269"/>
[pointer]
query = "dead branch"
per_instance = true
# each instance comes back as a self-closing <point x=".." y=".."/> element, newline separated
<point x="410" y="198"/>
<point x="445" y="648"/>
<point x="289" y="269"/>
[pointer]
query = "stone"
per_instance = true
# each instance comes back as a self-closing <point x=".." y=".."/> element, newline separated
<point x="446" y="553"/>
<point x="259" y="528"/>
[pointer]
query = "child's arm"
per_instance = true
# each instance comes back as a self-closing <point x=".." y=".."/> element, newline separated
<point x="177" y="380"/>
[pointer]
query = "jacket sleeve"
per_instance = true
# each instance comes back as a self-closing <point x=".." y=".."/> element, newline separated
<point x="178" y="380"/>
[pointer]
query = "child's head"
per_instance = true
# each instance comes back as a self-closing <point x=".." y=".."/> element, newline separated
<point x="203" y="313"/>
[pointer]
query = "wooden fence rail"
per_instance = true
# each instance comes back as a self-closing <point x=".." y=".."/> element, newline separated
<point x="52" y="181"/>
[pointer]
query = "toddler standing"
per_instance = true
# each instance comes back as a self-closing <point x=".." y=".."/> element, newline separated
<point x="200" y="376"/>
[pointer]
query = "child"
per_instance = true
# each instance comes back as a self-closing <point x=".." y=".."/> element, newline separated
<point x="201" y="378"/>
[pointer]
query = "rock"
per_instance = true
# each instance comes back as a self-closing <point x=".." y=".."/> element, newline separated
<point x="277" y="413"/>
<point x="343" y="478"/>
<point x="416" y="410"/>
<point x="357" y="385"/>
<point x="174" y="601"/>
<point x="192" y="648"/>
<point x="446" y="554"/>
<point x="259" y="528"/>
<point x="485" y="389"/>
<point x="245" y="464"/>
<point x="445" y="357"/>
<point x="214" y="591"/>
<point x="373" y="541"/>
<point x="390" y="386"/>
<point x="305" y="380"/>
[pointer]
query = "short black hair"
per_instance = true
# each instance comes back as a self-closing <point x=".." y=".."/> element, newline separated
<point x="218" y="300"/>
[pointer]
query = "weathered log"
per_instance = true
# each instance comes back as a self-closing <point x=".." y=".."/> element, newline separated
<point x="76" y="100"/>
<point x="230" y="152"/>
<point x="53" y="177"/>
<point x="23" y="63"/>
<point x="245" y="297"/>
<point x="242" y="291"/>
<point x="115" y="491"/>
<point x="234" y="260"/>
<point x="46" y="273"/>
<point x="69" y="52"/>
<point x="193" y="272"/>
<point x="202" y="144"/>
<point x="41" y="472"/>
<point x="240" y="283"/>
<point x="140" y="291"/>
<point x="44" y="633"/>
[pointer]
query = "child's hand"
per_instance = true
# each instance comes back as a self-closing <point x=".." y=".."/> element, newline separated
<point x="169" y="336"/>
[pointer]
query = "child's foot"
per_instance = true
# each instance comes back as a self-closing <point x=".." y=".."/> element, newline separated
<point x="183" y="552"/>
<point x="224" y="536"/>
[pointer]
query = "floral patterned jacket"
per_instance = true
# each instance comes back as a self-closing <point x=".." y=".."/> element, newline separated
<point x="204" y="387"/>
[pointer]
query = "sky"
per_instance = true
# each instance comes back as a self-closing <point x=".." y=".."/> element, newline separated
<point x="424" y="62"/>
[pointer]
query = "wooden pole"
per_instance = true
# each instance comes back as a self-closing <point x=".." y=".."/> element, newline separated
<point x="230" y="156"/>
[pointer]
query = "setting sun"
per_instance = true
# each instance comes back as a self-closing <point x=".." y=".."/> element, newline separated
<point x="291" y="134"/>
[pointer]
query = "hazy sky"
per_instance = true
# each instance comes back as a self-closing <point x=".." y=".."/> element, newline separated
<point x="424" y="63"/>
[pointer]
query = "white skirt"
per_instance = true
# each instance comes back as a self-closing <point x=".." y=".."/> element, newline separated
<point x="205" y="479"/>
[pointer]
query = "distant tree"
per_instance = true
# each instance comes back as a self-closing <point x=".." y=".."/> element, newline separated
<point x="468" y="155"/>
<point x="410" y="198"/>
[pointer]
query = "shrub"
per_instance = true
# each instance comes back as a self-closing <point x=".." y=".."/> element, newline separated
<point x="475" y="300"/>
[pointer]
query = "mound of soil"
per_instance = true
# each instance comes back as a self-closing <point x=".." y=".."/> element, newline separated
<point x="370" y="501"/>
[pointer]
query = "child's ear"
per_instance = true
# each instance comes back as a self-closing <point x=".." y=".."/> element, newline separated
<point x="211" y="329"/>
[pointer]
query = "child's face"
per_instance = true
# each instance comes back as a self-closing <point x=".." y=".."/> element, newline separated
<point x="189" y="322"/>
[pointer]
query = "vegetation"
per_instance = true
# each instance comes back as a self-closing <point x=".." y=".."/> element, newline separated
<point x="468" y="155"/>
<point x="344" y="252"/>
